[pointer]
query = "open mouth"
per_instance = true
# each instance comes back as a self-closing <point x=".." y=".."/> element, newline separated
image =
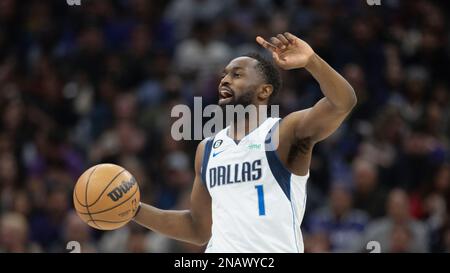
<point x="225" y="95"/>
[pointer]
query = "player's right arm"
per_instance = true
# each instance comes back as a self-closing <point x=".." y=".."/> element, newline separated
<point x="192" y="226"/>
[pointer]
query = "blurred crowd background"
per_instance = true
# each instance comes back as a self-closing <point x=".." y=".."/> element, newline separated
<point x="82" y="85"/>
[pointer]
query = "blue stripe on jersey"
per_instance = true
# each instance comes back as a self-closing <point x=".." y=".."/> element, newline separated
<point x="281" y="174"/>
<point x="206" y="154"/>
<point x="294" y="223"/>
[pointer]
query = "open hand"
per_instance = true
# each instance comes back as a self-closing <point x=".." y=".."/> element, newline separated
<point x="288" y="51"/>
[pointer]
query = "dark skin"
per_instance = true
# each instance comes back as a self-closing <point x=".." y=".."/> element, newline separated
<point x="298" y="132"/>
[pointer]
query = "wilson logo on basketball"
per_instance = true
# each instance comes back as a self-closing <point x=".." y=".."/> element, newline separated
<point x="119" y="191"/>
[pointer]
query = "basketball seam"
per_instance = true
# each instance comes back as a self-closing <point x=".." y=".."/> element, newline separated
<point x="114" y="178"/>
<point x="97" y="212"/>
<point x="86" y="195"/>
<point x="76" y="198"/>
<point x="83" y="205"/>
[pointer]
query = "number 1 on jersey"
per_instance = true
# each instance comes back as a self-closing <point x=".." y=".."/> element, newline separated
<point x="262" y="209"/>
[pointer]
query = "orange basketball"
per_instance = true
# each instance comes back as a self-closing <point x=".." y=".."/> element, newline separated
<point x="106" y="196"/>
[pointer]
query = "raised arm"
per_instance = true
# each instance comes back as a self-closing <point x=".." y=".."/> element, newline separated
<point x="321" y="120"/>
<point x="192" y="226"/>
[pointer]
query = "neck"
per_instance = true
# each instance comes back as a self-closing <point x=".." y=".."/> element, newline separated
<point x="239" y="128"/>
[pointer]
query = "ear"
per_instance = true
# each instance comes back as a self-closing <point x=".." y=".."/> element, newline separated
<point x="264" y="92"/>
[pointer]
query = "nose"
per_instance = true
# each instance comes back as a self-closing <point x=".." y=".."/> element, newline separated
<point x="225" y="80"/>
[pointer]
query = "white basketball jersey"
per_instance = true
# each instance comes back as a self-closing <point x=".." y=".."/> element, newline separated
<point x="257" y="204"/>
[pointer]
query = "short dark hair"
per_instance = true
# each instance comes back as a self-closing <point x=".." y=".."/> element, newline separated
<point x="269" y="71"/>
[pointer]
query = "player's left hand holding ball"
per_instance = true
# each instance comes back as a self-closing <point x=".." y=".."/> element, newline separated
<point x="106" y="196"/>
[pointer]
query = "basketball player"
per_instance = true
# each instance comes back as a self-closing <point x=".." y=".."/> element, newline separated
<point x="246" y="197"/>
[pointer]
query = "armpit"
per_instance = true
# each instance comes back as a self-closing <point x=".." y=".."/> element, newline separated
<point x="302" y="146"/>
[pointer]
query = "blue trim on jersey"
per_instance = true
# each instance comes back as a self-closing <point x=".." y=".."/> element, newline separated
<point x="293" y="225"/>
<point x="206" y="155"/>
<point x="281" y="174"/>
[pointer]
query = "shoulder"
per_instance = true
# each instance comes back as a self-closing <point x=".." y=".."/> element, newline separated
<point x="293" y="121"/>
<point x="296" y="116"/>
<point x="202" y="149"/>
<point x="199" y="154"/>
<point x="293" y="134"/>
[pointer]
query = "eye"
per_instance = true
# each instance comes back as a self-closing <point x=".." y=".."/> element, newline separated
<point x="236" y="75"/>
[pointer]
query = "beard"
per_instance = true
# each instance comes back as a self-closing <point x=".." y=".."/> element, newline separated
<point x="245" y="99"/>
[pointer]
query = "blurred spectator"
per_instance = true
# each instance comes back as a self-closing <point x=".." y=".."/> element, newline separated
<point x="14" y="234"/>
<point x="369" y="196"/>
<point x="75" y="230"/>
<point x="47" y="225"/>
<point x="445" y="240"/>
<point x="343" y="224"/>
<point x="183" y="13"/>
<point x="317" y="243"/>
<point x="179" y="177"/>
<point x="401" y="239"/>
<point x="8" y="180"/>
<point x="398" y="232"/>
<point x="201" y="53"/>
<point x="129" y="239"/>
<point x="432" y="203"/>
<point x="380" y="146"/>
